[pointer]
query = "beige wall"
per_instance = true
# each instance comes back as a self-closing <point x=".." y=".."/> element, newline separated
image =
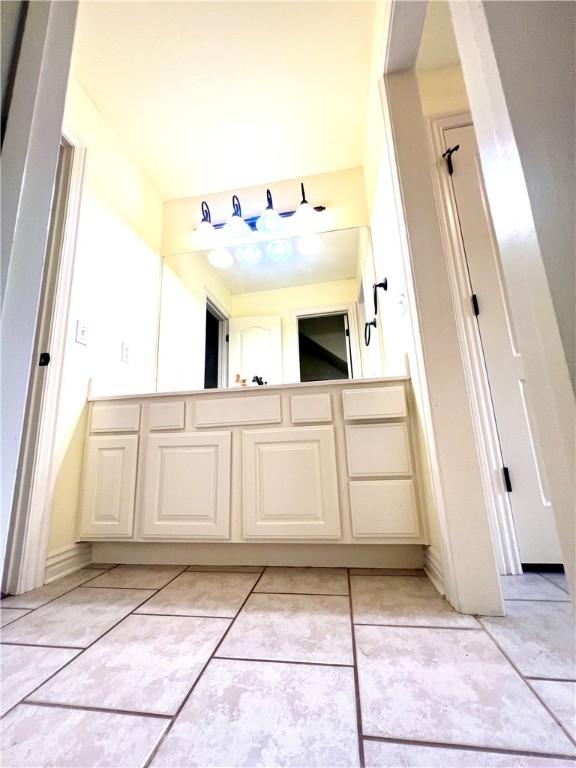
<point x="115" y="292"/>
<point x="442" y="90"/>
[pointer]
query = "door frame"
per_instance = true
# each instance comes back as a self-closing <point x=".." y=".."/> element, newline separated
<point x="293" y="356"/>
<point x="223" y="317"/>
<point x="483" y="416"/>
<point x="27" y="546"/>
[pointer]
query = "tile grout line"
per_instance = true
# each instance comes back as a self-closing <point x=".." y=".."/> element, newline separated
<point x="357" y="702"/>
<point x="467" y="747"/>
<point x="527" y="684"/>
<point x="186" y="698"/>
<point x="76" y="656"/>
<point x="30" y="610"/>
<point x="87" y="708"/>
<point x="285" y="661"/>
<point x="551" y="679"/>
<point x="417" y="626"/>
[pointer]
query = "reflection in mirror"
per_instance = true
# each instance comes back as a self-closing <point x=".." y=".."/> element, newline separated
<point x="268" y="312"/>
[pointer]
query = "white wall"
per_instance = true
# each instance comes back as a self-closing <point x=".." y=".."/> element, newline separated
<point x="534" y="46"/>
<point x="115" y="291"/>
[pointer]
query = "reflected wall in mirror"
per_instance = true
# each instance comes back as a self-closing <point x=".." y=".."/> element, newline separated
<point x="294" y="311"/>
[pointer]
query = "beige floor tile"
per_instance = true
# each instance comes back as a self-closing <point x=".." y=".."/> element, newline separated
<point x="226" y="568"/>
<point x="23" y="668"/>
<point x="403" y="600"/>
<point x="145" y="664"/>
<point x="560" y="698"/>
<point x="8" y="615"/>
<point x="307" y="581"/>
<point x="449" y="686"/>
<point x="138" y="576"/>
<point x="75" y="619"/>
<point x="559" y="579"/>
<point x="202" y="594"/>
<point x="379" y="754"/>
<point x="43" y="595"/>
<point x="310" y="628"/>
<point x="39" y="737"/>
<point x="265" y="714"/>
<point x="387" y="572"/>
<point x="531" y="586"/>
<point x="538" y="637"/>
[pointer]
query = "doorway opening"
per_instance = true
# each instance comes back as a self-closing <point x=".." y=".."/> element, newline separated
<point x="324" y="347"/>
<point x="216" y="348"/>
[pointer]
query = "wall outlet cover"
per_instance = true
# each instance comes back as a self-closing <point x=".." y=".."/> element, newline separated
<point x="81" y="333"/>
<point x="125" y="353"/>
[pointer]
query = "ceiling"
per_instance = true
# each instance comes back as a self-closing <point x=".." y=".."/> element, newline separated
<point x="209" y="96"/>
<point x="337" y="259"/>
<point x="438" y="45"/>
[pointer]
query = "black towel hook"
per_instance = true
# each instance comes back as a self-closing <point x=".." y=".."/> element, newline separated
<point x="384" y="286"/>
<point x="368" y="331"/>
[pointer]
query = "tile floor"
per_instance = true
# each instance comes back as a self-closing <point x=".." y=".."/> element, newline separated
<point x="195" y="666"/>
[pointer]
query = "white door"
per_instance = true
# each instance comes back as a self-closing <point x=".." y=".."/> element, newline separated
<point x="255" y="349"/>
<point x="533" y="516"/>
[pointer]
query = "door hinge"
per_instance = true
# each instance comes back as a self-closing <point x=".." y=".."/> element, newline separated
<point x="347" y="333"/>
<point x="448" y="157"/>
<point x="475" y="305"/>
<point x="227" y="337"/>
<point x="44" y="359"/>
<point x="507" y="481"/>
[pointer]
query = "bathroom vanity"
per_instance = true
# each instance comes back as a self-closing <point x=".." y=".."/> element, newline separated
<point x="324" y="462"/>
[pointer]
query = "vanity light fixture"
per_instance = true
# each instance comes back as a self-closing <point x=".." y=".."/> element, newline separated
<point x="309" y="245"/>
<point x="305" y="216"/>
<point x="221" y="258"/>
<point x="248" y="254"/>
<point x="270" y="220"/>
<point x="205" y="229"/>
<point x="236" y="227"/>
<point x="279" y="250"/>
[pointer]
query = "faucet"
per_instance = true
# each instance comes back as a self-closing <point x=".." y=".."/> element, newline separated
<point x="259" y="380"/>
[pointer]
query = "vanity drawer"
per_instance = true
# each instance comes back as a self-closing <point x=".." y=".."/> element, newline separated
<point x="378" y="450"/>
<point x="383" y="508"/>
<point x="123" y="417"/>
<point x="374" y="403"/>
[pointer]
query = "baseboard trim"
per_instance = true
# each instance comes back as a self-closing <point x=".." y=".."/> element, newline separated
<point x="433" y="569"/>
<point x="321" y="555"/>
<point x="67" y="560"/>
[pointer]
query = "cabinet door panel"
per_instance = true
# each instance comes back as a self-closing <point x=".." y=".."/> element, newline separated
<point x="384" y="508"/>
<point x="107" y="505"/>
<point x="290" y="487"/>
<point x="187" y="487"/>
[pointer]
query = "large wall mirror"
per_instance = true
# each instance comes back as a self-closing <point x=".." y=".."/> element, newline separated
<point x="269" y="311"/>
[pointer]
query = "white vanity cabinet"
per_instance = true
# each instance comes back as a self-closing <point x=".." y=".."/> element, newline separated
<point x="325" y="462"/>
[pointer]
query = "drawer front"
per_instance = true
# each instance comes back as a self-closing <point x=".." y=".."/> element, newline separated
<point x="166" y="416"/>
<point x="262" y="409"/>
<point x="311" y="408"/>
<point x="374" y="403"/>
<point x="383" y="508"/>
<point x="115" y="418"/>
<point x="378" y="450"/>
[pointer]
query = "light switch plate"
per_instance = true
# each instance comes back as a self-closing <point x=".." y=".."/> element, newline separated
<point x="125" y="353"/>
<point x="81" y="333"/>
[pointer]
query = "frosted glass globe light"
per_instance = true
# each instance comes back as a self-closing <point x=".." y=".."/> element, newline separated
<point x="221" y="258"/>
<point x="305" y="218"/>
<point x="270" y="220"/>
<point x="236" y="227"/>
<point x="205" y="230"/>
<point x="309" y="245"/>
<point x="248" y="254"/>
<point x="279" y="250"/>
